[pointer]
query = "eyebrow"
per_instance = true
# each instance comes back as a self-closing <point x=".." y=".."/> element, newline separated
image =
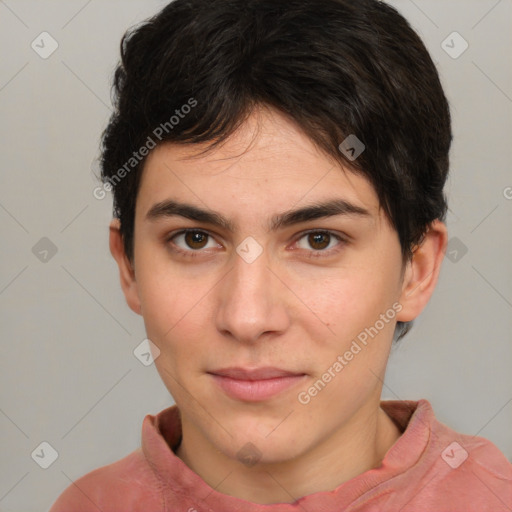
<point x="319" y="210"/>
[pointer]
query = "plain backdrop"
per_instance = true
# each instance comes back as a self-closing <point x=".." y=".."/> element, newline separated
<point x="69" y="376"/>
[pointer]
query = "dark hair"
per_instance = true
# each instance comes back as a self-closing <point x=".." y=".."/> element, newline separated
<point x="334" y="67"/>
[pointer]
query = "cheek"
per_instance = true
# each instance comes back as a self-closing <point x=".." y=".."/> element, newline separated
<point x="162" y="290"/>
<point x="352" y="307"/>
<point x="348" y="304"/>
<point x="163" y="296"/>
<point x="175" y="309"/>
<point x="171" y="325"/>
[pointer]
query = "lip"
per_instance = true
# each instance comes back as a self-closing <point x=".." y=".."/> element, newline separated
<point x="255" y="385"/>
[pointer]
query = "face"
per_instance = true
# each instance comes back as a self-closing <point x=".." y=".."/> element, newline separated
<point x="260" y="319"/>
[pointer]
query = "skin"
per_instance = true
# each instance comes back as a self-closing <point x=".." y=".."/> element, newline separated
<point x="284" y="309"/>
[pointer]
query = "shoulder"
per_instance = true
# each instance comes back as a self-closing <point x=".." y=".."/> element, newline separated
<point x="443" y="469"/>
<point x="459" y="450"/>
<point x="129" y="483"/>
<point x="471" y="470"/>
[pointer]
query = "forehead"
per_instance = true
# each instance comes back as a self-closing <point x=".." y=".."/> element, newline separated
<point x="267" y="164"/>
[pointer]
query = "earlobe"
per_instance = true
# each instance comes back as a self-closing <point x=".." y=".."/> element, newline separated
<point x="422" y="272"/>
<point x="126" y="271"/>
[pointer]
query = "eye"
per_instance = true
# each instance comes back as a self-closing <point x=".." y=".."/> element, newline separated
<point x="193" y="239"/>
<point x="320" y="242"/>
<point x="190" y="242"/>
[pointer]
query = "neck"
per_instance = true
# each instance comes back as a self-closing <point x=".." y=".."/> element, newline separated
<point x="358" y="446"/>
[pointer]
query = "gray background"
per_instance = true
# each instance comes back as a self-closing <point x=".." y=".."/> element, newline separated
<point x="69" y="376"/>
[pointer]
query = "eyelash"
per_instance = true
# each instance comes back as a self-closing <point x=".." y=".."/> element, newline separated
<point x="311" y="254"/>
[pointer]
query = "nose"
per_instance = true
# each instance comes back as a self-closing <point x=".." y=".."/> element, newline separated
<point x="252" y="301"/>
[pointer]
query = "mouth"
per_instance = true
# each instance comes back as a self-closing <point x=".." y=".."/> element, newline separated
<point x="255" y="385"/>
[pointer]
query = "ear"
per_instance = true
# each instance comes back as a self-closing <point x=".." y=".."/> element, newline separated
<point x="126" y="271"/>
<point x="422" y="272"/>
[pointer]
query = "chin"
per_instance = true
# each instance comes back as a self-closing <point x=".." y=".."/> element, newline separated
<point x="255" y="451"/>
<point x="261" y="445"/>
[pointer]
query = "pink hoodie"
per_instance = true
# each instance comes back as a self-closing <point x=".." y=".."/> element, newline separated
<point x="429" y="468"/>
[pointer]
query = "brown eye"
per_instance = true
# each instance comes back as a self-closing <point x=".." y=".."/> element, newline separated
<point x="319" y="241"/>
<point x="191" y="241"/>
<point x="196" y="239"/>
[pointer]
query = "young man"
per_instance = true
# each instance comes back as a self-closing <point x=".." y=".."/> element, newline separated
<point x="278" y="172"/>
